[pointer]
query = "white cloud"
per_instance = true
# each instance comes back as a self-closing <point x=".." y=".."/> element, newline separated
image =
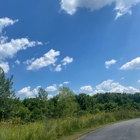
<point x="4" y="22"/>
<point x="67" y="60"/>
<point x="138" y="81"/>
<point x="111" y="86"/>
<point x="5" y="66"/>
<point x="17" y="62"/>
<point x="86" y="89"/>
<point x="58" y="68"/>
<point x="108" y="63"/>
<point x="69" y="6"/>
<point x="121" y="6"/>
<point x="134" y="64"/>
<point x="67" y="82"/>
<point x="51" y="88"/>
<point x="39" y="43"/>
<point x="61" y="85"/>
<point x="9" y="49"/>
<point x="50" y="96"/>
<point x="27" y="62"/>
<point x="27" y="92"/>
<point x="47" y="59"/>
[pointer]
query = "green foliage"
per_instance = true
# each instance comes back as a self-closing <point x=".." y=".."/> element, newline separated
<point x="65" y="92"/>
<point x="67" y="104"/>
<point x="6" y="85"/>
<point x="42" y="94"/>
<point x="56" y="129"/>
<point x="7" y="96"/>
<point x="63" y="114"/>
<point x="64" y="104"/>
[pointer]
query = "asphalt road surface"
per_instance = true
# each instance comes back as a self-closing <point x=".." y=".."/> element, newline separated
<point x="126" y="130"/>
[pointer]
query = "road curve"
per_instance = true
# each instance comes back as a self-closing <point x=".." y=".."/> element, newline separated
<point x="126" y="130"/>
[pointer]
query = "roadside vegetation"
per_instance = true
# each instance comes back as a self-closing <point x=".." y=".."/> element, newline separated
<point x="63" y="115"/>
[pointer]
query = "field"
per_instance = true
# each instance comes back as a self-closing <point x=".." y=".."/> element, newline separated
<point x="55" y="129"/>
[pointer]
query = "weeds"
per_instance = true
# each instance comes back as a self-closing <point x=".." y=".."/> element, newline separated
<point x="53" y="129"/>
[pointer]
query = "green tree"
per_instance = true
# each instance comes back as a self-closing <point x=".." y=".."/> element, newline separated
<point x="7" y="96"/>
<point x="42" y="94"/>
<point x="85" y="102"/>
<point x="34" y="107"/>
<point x="67" y="105"/>
<point x="65" y="92"/>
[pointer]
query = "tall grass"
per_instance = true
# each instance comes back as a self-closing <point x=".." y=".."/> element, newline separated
<point x="53" y="129"/>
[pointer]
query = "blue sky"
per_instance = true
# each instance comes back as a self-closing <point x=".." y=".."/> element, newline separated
<point x="88" y="45"/>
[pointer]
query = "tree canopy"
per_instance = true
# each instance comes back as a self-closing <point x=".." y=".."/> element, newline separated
<point x="7" y="95"/>
<point x="64" y="104"/>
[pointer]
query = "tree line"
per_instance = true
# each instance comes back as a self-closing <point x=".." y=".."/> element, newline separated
<point x="64" y="104"/>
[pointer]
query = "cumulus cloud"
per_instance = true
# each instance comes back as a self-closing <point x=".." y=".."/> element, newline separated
<point x="5" y="66"/>
<point x="67" y="82"/>
<point x="51" y="88"/>
<point x="58" y="68"/>
<point x="50" y="96"/>
<point x="27" y="92"/>
<point x="27" y="62"/>
<point x="111" y="86"/>
<point x="4" y="22"/>
<point x="86" y="89"/>
<point x="67" y="60"/>
<point x="47" y="59"/>
<point x="121" y="6"/>
<point x="64" y="83"/>
<point x="134" y="64"/>
<point x="138" y="81"/>
<point x="60" y="85"/>
<point x="17" y="62"/>
<point x="108" y="63"/>
<point x="9" y="49"/>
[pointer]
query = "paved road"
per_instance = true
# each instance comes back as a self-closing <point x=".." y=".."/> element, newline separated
<point x="127" y="130"/>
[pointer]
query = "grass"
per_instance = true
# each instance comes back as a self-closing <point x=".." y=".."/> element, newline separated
<point x="61" y="129"/>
